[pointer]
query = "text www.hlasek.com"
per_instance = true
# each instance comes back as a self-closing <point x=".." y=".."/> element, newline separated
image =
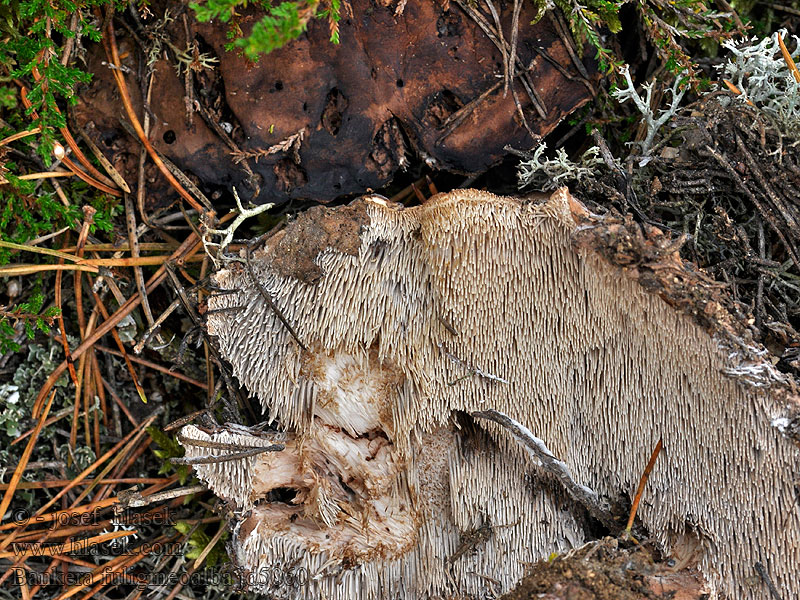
<point x="88" y="548"/>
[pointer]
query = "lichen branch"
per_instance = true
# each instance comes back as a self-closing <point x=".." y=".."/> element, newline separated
<point x="644" y="106"/>
<point x="227" y="234"/>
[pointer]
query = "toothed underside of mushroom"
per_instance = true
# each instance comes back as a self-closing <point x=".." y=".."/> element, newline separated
<point x="386" y="485"/>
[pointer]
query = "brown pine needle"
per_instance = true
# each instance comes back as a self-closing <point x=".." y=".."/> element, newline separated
<point x="735" y="90"/>
<point x="19" y="136"/>
<point x="187" y="249"/>
<point x="155" y="366"/>
<point x="67" y="253"/>
<point x="59" y="415"/>
<point x="27" y="269"/>
<point x="96" y="179"/>
<point x="45" y="175"/>
<point x="788" y="58"/>
<point x="642" y="482"/>
<point x="103" y="575"/>
<point x="26" y="593"/>
<point x="53" y="483"/>
<point x="121" y="346"/>
<point x="26" y="455"/>
<point x="143" y="246"/>
<point x="94" y="506"/>
<point x="123" y="407"/>
<point x="113" y="57"/>
<point x="112" y="172"/>
<point x="38" y="250"/>
<point x="62" y="327"/>
<point x="207" y="550"/>
<point x="83" y="474"/>
<point x="63" y="531"/>
<point x="72" y="530"/>
<point x="141" y="261"/>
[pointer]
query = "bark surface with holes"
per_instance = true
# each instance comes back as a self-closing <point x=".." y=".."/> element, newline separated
<point x="315" y="120"/>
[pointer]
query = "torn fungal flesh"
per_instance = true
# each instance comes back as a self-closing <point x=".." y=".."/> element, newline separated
<point x="387" y="488"/>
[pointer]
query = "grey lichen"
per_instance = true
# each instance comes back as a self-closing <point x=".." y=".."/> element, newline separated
<point x="388" y="477"/>
<point x="548" y="174"/>
<point x="644" y="105"/>
<point x="759" y="71"/>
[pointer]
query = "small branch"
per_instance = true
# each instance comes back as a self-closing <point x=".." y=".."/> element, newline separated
<point x="762" y="572"/>
<point x="210" y="460"/>
<point x="580" y="493"/>
<point x="128" y="499"/>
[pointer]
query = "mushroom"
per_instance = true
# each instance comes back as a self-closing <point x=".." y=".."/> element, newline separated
<point x="406" y="320"/>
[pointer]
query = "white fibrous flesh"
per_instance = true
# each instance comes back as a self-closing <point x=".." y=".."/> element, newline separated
<point x="473" y="302"/>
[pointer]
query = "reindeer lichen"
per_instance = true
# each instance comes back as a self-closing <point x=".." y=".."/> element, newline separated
<point x="548" y="174"/>
<point x="644" y="106"/>
<point x="760" y="72"/>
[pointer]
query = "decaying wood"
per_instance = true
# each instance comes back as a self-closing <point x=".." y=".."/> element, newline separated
<point x="366" y="107"/>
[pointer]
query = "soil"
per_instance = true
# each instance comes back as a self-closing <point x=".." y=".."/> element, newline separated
<point x="293" y="251"/>
<point x="605" y="570"/>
